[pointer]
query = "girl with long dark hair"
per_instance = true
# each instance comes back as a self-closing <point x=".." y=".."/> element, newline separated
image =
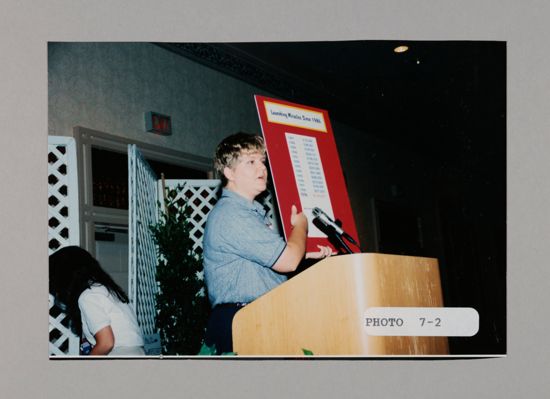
<point x="96" y="306"/>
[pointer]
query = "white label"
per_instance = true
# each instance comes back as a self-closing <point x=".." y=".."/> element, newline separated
<point x="448" y="322"/>
<point x="310" y="178"/>
<point x="294" y="116"/>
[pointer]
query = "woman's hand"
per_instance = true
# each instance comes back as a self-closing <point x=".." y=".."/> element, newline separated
<point x="324" y="251"/>
<point x="296" y="244"/>
<point x="297" y="219"/>
<point x="104" y="342"/>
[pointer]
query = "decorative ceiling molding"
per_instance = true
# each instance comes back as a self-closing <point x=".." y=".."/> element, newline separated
<point x="234" y="62"/>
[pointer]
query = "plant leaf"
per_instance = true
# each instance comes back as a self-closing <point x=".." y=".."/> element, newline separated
<point x="207" y="350"/>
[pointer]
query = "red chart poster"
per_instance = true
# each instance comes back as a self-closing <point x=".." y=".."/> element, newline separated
<point x="305" y="166"/>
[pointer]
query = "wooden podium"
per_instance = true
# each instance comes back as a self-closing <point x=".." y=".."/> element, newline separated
<point x="322" y="309"/>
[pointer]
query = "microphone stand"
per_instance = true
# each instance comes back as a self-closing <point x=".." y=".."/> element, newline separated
<point x="342" y="243"/>
<point x="331" y="232"/>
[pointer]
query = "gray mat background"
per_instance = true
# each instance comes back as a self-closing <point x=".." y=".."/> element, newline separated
<point x="27" y="26"/>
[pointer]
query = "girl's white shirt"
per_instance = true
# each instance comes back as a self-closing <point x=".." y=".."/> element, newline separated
<point x="99" y="309"/>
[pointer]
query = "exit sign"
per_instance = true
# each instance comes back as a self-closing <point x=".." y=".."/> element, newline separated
<point x="158" y="123"/>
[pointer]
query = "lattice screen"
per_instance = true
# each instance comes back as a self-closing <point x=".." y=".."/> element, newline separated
<point x="142" y="285"/>
<point x="62" y="193"/>
<point x="63" y="229"/>
<point x="201" y="196"/>
<point x="62" y="340"/>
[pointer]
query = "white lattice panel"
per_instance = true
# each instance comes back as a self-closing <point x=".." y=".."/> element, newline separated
<point x="63" y="229"/>
<point x="62" y="340"/>
<point x="62" y="193"/>
<point x="142" y="213"/>
<point x="201" y="196"/>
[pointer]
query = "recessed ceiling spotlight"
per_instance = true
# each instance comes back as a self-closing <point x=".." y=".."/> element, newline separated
<point x="400" y="49"/>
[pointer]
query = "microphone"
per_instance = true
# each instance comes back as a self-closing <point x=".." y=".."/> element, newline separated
<point x="319" y="214"/>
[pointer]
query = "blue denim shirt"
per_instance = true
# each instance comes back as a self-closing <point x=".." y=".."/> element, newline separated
<point x="239" y="250"/>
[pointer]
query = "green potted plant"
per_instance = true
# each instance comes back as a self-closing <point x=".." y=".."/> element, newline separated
<point x="182" y="303"/>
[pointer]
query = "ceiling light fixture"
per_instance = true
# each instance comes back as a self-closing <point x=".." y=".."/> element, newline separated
<point x="400" y="49"/>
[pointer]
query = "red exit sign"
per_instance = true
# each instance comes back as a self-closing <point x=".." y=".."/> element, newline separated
<point x="158" y="123"/>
